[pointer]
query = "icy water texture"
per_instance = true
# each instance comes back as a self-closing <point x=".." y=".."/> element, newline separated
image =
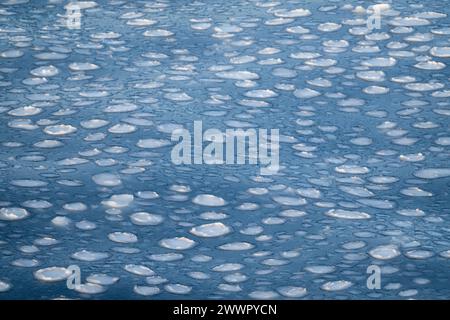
<point x="86" y="176"/>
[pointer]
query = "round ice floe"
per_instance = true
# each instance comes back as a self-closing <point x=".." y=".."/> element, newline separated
<point x="443" y="141"/>
<point x="146" y="219"/>
<point x="385" y="252"/>
<point x="123" y="237"/>
<point x="48" y="144"/>
<point x="292" y="213"/>
<point x="375" y="90"/>
<point x="152" y="143"/>
<point x="178" y="243"/>
<point x="320" y="269"/>
<point x="85" y="255"/>
<point x="227" y="267"/>
<point x="306" y="93"/>
<point x="411" y="212"/>
<point x="408" y="22"/>
<point x="11" y="54"/>
<point x="415" y="192"/>
<point x="329" y="27"/>
<point x="336" y="285"/>
<point x="289" y="201"/>
<point x="178" y="96"/>
<point x="89" y="288"/>
<point x="433" y="173"/>
<point x="147" y="195"/>
<point x="93" y="123"/>
<point x="177" y="288"/>
<point x="236" y="246"/>
<point x="37" y="204"/>
<point x="105" y="35"/>
<point x="28" y="183"/>
<point x="59" y="129"/>
<point x="424" y="86"/>
<point x="354" y="245"/>
<point x="419" y="254"/>
<point x="46" y="241"/>
<point x="4" y="286"/>
<point x="211" y="215"/>
<point x="166" y="257"/>
<point x="209" y="200"/>
<point x="158" y="33"/>
<point x="263" y="295"/>
<point x="61" y="221"/>
<point x="25" y="263"/>
<point x="146" y="290"/>
<point x="107" y="179"/>
<point x="119" y="201"/>
<point x="352" y="169"/>
<point x="238" y="75"/>
<point x="441" y="52"/>
<point x="102" y="279"/>
<point x="357" y="191"/>
<point x="25" y="111"/>
<point x="50" y="56"/>
<point x="139" y="270"/>
<point x="408" y="293"/>
<point x="209" y="230"/>
<point x="261" y="93"/>
<point x="29" y="249"/>
<point x="45" y="71"/>
<point x="347" y="214"/>
<point x="82" y="66"/>
<point x="86" y="225"/>
<point x="430" y="65"/>
<point x="75" y="206"/>
<point x="292" y="292"/>
<point x="52" y="274"/>
<point x="13" y="214"/>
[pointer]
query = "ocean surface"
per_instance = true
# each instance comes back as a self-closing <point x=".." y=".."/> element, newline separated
<point x="92" y="205"/>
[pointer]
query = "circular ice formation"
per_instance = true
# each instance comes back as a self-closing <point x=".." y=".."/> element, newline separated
<point x="385" y="252"/>
<point x="52" y="274"/>
<point x="236" y="246"/>
<point x="102" y="279"/>
<point x="152" y="143"/>
<point x="89" y="288"/>
<point x="292" y="292"/>
<point x="45" y="71"/>
<point x="320" y="269"/>
<point x="85" y="255"/>
<point x="177" y="288"/>
<point x="336" y="285"/>
<point x="289" y="201"/>
<point x="139" y="270"/>
<point x="107" y="179"/>
<point x="209" y="230"/>
<point x="82" y="66"/>
<point x="433" y="173"/>
<point x="209" y="200"/>
<point x="4" y="286"/>
<point x="146" y="219"/>
<point x="59" y="129"/>
<point x="13" y="214"/>
<point x="177" y="243"/>
<point x="123" y="237"/>
<point x="347" y="214"/>
<point x="146" y="290"/>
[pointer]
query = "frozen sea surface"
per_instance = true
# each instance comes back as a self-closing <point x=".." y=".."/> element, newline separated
<point x="86" y="117"/>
